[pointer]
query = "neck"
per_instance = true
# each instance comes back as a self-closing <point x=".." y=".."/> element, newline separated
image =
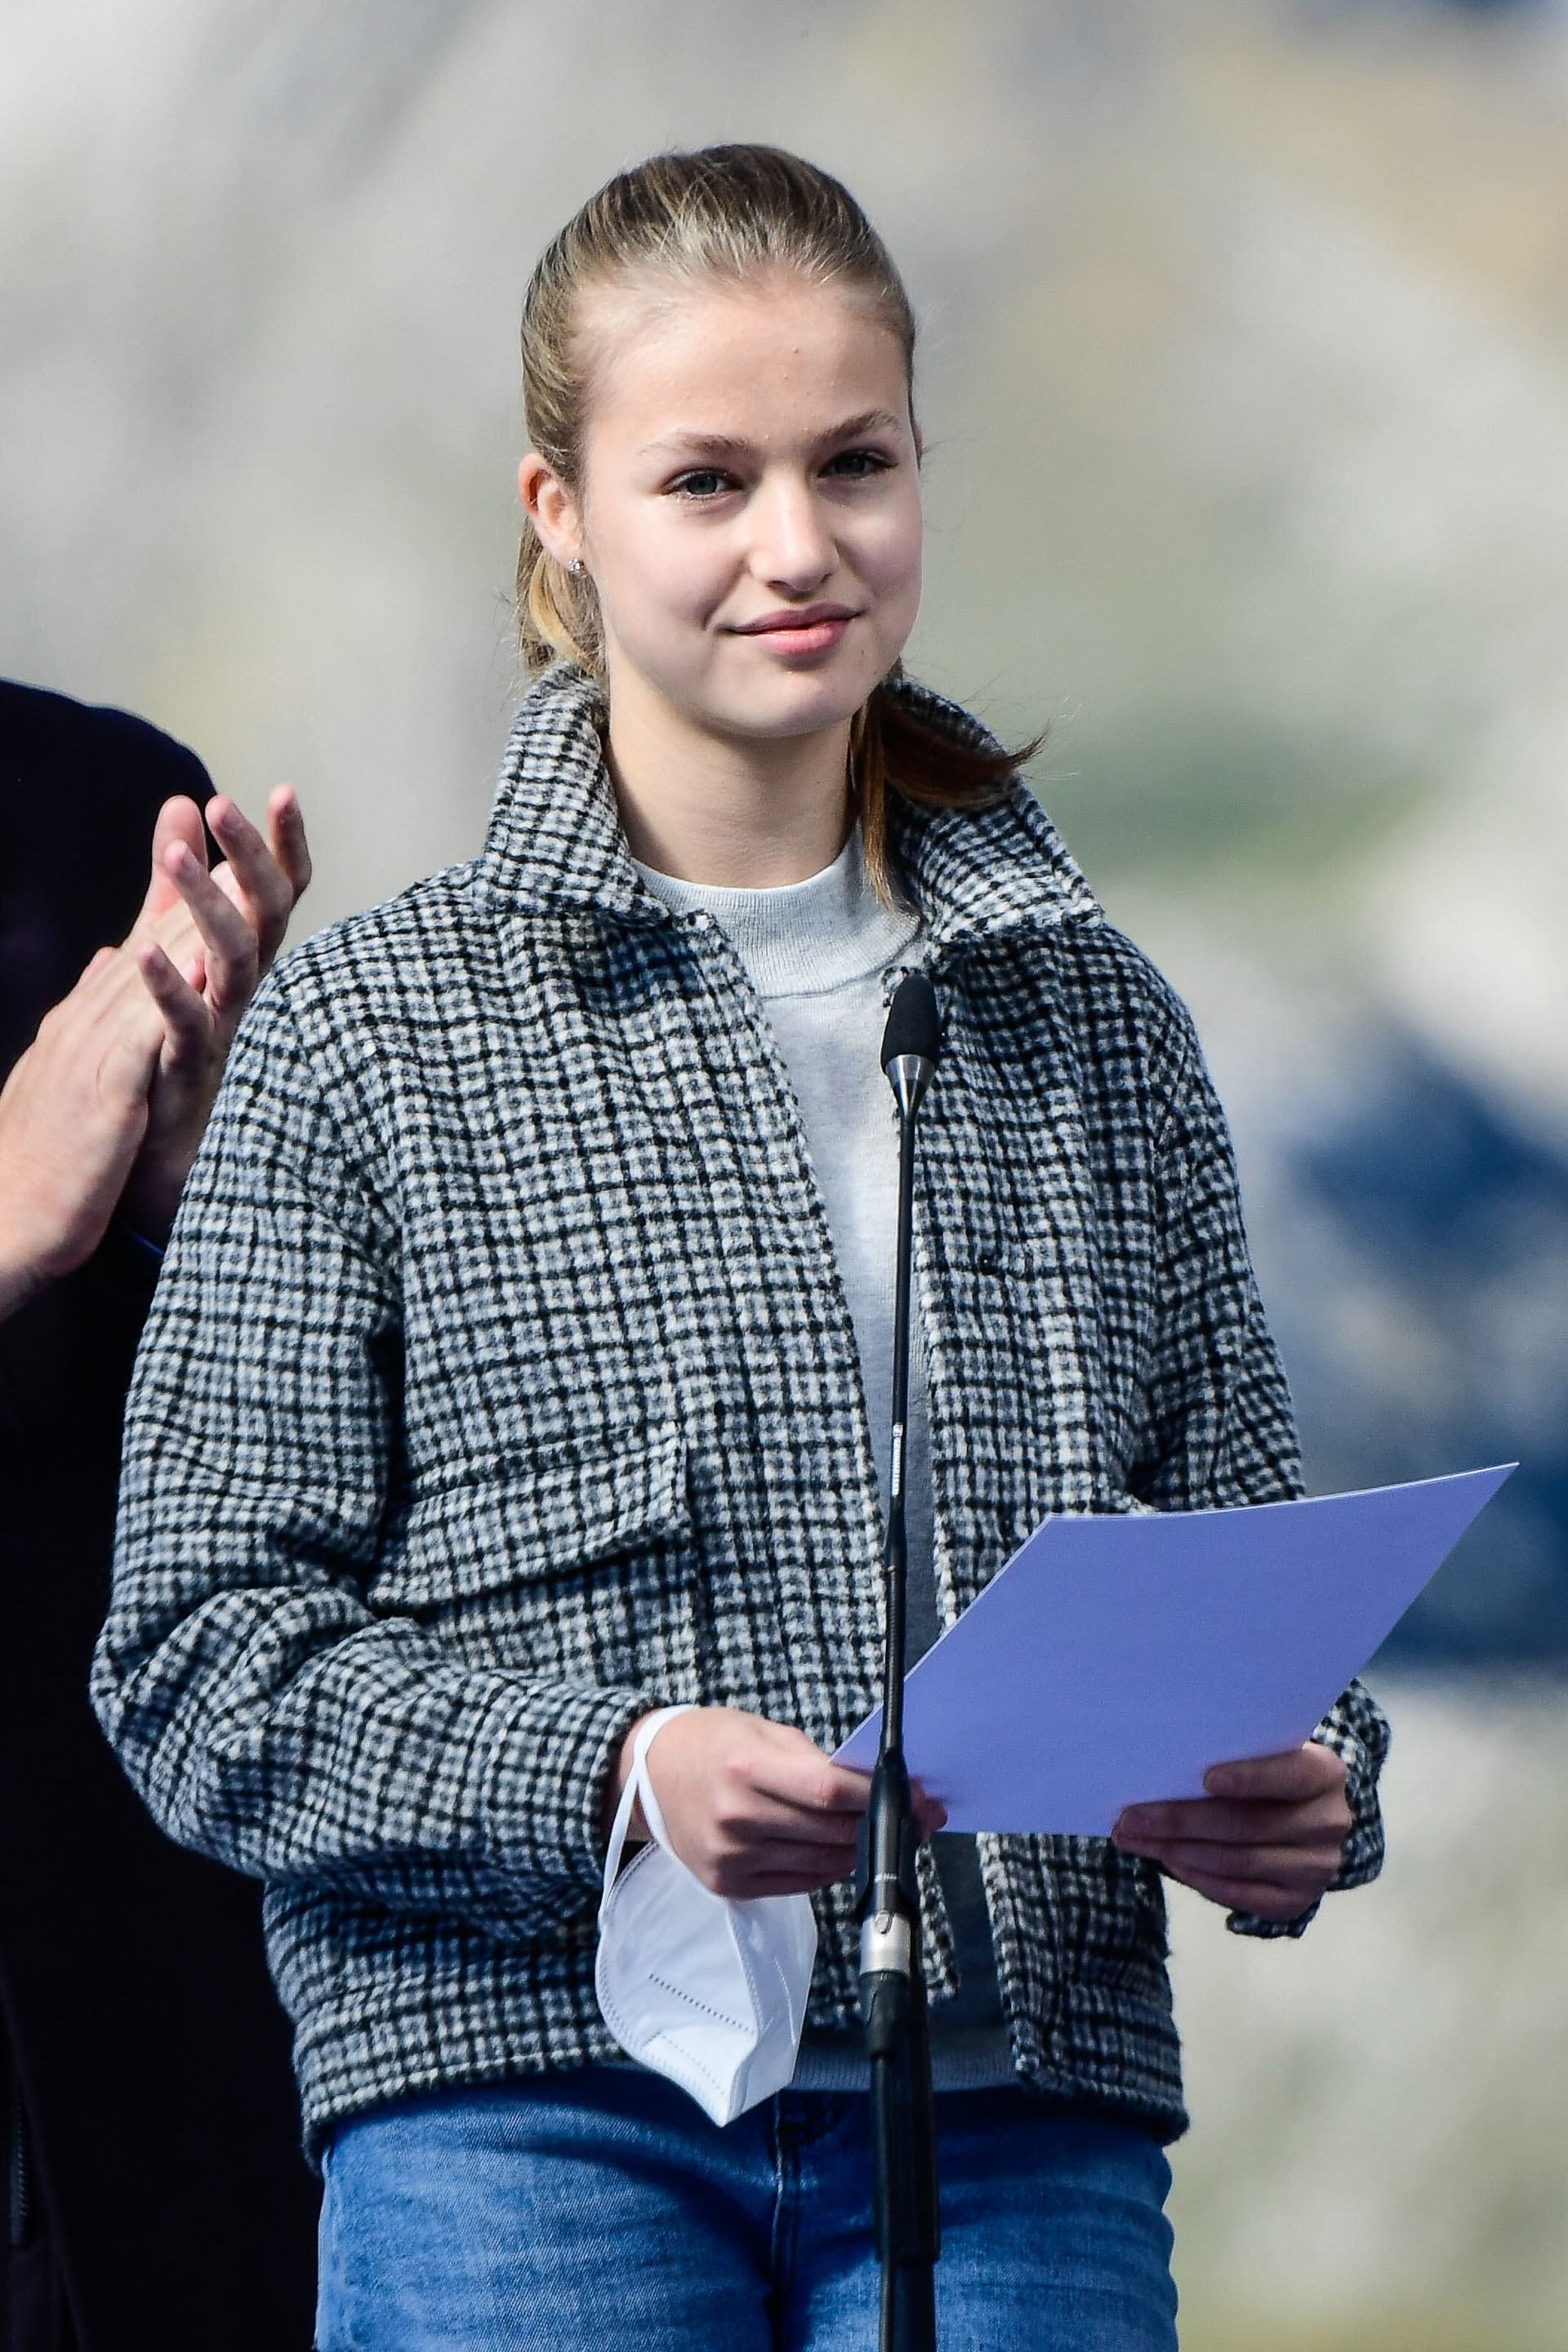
<point x="735" y="812"/>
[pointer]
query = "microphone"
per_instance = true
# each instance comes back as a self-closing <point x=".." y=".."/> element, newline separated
<point x="892" y="1989"/>
<point x="911" y="1042"/>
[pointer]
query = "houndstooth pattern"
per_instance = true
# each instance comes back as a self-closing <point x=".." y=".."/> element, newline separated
<point x="499" y="1386"/>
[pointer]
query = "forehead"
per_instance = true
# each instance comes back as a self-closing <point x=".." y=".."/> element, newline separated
<point x="763" y="359"/>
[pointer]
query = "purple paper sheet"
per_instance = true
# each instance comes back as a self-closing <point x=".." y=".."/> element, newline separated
<point x="1113" y="1659"/>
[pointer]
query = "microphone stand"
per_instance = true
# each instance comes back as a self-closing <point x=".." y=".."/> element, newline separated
<point x="892" y="1989"/>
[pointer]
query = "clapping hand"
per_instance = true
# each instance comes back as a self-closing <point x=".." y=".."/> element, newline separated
<point x="201" y="944"/>
<point x="110" y="1099"/>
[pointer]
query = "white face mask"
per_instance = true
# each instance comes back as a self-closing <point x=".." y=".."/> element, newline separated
<point x="709" y="1992"/>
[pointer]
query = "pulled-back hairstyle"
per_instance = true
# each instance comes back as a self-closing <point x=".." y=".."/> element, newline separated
<point x="726" y="214"/>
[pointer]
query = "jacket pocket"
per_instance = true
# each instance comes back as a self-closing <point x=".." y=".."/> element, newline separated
<point x="1105" y="1913"/>
<point x="577" y="1563"/>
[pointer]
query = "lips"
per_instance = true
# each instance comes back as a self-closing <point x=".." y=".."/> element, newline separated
<point x="795" y="616"/>
<point x="800" y="629"/>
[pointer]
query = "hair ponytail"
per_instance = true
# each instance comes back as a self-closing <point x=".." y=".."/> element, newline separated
<point x="557" y="614"/>
<point x="893" y="749"/>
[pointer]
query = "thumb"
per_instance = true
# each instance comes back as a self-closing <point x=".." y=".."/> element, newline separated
<point x="179" y="821"/>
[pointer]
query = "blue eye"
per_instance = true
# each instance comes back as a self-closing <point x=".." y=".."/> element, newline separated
<point x="706" y="482"/>
<point x="856" y="465"/>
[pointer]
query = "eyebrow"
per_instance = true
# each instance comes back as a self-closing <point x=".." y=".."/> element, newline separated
<point x="727" y="445"/>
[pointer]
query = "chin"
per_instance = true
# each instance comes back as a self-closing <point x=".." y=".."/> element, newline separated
<point x="802" y="702"/>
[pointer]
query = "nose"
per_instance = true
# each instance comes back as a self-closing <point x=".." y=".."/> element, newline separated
<point x="793" y="551"/>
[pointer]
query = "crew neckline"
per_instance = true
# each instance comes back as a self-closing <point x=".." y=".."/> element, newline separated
<point x="800" y="939"/>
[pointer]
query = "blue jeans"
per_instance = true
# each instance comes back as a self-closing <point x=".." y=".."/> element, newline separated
<point x="602" y="2209"/>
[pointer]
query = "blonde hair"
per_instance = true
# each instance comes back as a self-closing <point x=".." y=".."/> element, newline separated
<point x="728" y="214"/>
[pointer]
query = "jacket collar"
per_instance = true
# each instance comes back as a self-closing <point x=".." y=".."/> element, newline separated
<point x="979" y="873"/>
<point x="555" y="841"/>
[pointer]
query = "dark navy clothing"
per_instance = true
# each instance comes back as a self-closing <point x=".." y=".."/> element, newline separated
<point x="156" y="2194"/>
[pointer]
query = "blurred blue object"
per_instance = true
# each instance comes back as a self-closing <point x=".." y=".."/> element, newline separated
<point x="1440" y="1340"/>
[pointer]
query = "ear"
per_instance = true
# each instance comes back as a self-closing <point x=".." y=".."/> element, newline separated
<point x="550" y="508"/>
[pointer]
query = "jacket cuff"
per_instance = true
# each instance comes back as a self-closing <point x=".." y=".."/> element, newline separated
<point x="546" y="1795"/>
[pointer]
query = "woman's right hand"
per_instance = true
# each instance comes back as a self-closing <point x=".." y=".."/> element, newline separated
<point x="750" y="1806"/>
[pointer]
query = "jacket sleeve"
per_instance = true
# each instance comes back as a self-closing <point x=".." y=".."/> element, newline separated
<point x="267" y="1714"/>
<point x="1222" y="1428"/>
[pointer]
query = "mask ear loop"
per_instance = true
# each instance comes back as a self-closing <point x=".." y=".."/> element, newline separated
<point x="638" y="1785"/>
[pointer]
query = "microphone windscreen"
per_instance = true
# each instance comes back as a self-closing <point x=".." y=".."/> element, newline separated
<point x="913" y="1024"/>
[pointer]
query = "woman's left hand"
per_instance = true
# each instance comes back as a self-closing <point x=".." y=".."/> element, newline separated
<point x="1268" y="1838"/>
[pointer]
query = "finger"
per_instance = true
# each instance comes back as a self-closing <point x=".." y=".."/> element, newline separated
<point x="731" y="1866"/>
<point x="188" y="1022"/>
<point x="1139" y="1829"/>
<point x="1299" y="1772"/>
<point x="175" y="931"/>
<point x="1284" y="1865"/>
<point x="751" y="1814"/>
<point x="266" y="893"/>
<point x="250" y="859"/>
<point x="1270" y="1902"/>
<point x="179" y="822"/>
<point x="787" y="1886"/>
<point x="929" y="1812"/>
<point x="783" y="1858"/>
<point x="286" y="832"/>
<point x="107" y="1004"/>
<point x="743" y="1884"/>
<point x="785" y="1766"/>
<point x="227" y="939"/>
<point x="102" y="979"/>
<point x="1236" y="1823"/>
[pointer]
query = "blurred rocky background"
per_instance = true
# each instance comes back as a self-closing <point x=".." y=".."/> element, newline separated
<point x="1246" y="381"/>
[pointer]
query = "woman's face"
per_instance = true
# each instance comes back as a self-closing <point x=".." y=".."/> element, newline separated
<point x="750" y="509"/>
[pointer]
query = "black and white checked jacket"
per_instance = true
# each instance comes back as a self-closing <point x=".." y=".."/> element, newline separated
<point x="499" y="1386"/>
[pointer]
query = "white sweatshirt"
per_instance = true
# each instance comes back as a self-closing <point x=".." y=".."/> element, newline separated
<point x="816" y="953"/>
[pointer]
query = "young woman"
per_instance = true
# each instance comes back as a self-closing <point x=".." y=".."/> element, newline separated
<point x="521" y="1365"/>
